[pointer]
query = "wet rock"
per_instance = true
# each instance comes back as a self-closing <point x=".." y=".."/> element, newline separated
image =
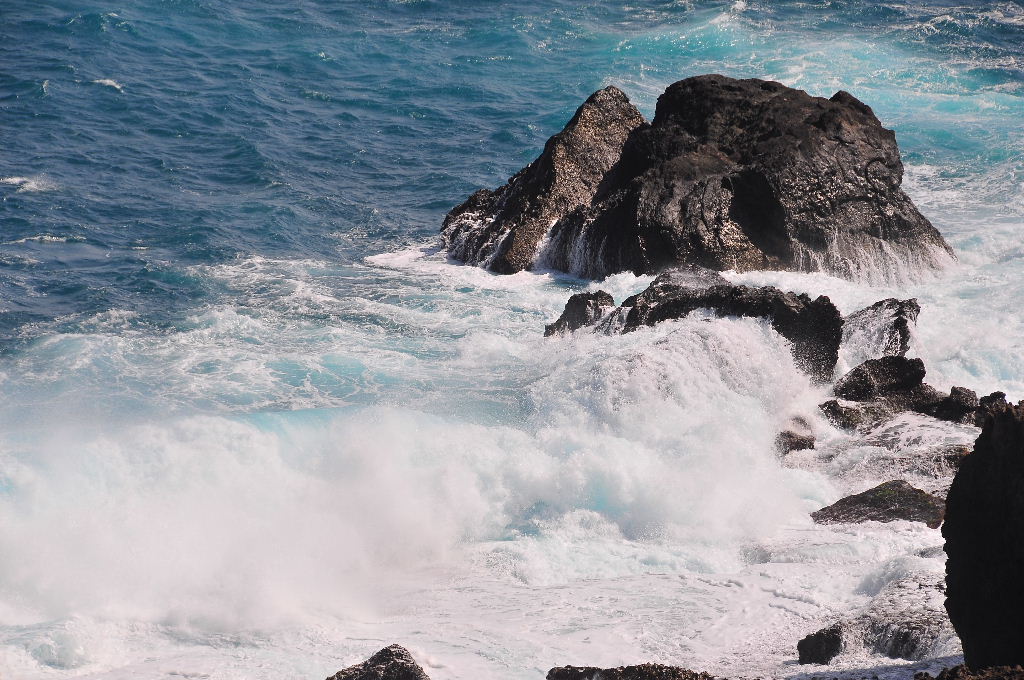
<point x="883" y="329"/>
<point x="582" y="309"/>
<point x="797" y="437"/>
<point x="390" y="663"/>
<point x="502" y="229"/>
<point x="993" y="403"/>
<point x="963" y="673"/>
<point x="888" y="502"/>
<point x="813" y="327"/>
<point x="647" y="671"/>
<point x="821" y="647"/>
<point x="984" y="532"/>
<point x="730" y="174"/>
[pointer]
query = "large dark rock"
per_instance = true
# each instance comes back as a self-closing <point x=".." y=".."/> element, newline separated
<point x="502" y="229"/>
<point x="878" y="389"/>
<point x="964" y="673"/>
<point x="888" y="502"/>
<point x="582" y="309"/>
<point x="647" y="671"/>
<point x="390" y="663"/>
<point x="882" y="329"/>
<point x="821" y="647"/>
<point x="730" y="174"/>
<point x="984" y="531"/>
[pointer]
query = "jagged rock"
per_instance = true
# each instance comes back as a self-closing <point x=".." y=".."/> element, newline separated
<point x="730" y="174"/>
<point x="886" y="502"/>
<point x="963" y="673"/>
<point x="883" y="329"/>
<point x="821" y="647"/>
<point x="878" y="389"/>
<point x="582" y="309"/>
<point x="813" y="327"/>
<point x="797" y="437"/>
<point x="993" y="403"/>
<point x="647" y="671"/>
<point x="984" y="532"/>
<point x="502" y="229"/>
<point x="390" y="663"/>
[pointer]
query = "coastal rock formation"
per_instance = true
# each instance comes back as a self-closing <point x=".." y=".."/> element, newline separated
<point x="582" y="309"/>
<point x="880" y="388"/>
<point x="964" y="673"/>
<point x="730" y="174"/>
<point x="821" y="647"/>
<point x="647" y="671"/>
<point x="888" y="502"/>
<point x="984" y="532"/>
<point x="502" y="229"/>
<point x="390" y="663"/>
<point x="882" y="329"/>
<point x="797" y="437"/>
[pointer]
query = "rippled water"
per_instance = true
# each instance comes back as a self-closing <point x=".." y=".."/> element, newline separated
<point x="251" y="425"/>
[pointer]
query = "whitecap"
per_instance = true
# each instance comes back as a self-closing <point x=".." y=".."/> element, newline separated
<point x="37" y="183"/>
<point x="109" y="82"/>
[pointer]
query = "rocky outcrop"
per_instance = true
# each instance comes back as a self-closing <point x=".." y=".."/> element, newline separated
<point x="730" y="174"/>
<point x="797" y="437"/>
<point x="878" y="389"/>
<point x="883" y="329"/>
<point x="888" y="502"/>
<point x="821" y="647"/>
<point x="502" y="229"/>
<point x="647" y="671"/>
<point x="964" y="673"/>
<point x="984" y="532"/>
<point x="390" y="663"/>
<point x="582" y="309"/>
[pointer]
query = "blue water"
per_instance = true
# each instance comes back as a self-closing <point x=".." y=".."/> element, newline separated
<point x="190" y="190"/>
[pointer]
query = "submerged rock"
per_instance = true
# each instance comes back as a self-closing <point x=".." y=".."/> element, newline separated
<point x="582" y="309"/>
<point x="730" y="174"/>
<point x="888" y="502"/>
<point x="647" y="671"/>
<point x="390" y="663"/>
<point x="821" y="647"/>
<point x="984" y="532"/>
<point x="798" y="437"/>
<point x="502" y="229"/>
<point x="883" y="329"/>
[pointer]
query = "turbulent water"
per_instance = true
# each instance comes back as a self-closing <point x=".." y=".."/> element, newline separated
<point x="252" y="425"/>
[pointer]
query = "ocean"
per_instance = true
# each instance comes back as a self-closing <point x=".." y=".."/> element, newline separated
<point x="253" y="424"/>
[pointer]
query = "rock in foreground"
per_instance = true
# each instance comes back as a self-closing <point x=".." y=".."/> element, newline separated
<point x="730" y="174"/>
<point x="984" y="531"/>
<point x="888" y="502"/>
<point x="963" y="673"/>
<point x="647" y="671"/>
<point x="880" y="330"/>
<point x="390" y="663"/>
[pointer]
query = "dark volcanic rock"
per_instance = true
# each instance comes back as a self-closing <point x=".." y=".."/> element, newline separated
<point x="390" y="663"/>
<point x="886" y="502"/>
<point x="582" y="309"/>
<point x="963" y="673"/>
<point x="502" y="229"/>
<point x="797" y="437"/>
<point x="993" y="403"/>
<point x="814" y="327"/>
<point x="647" y="671"/>
<point x="883" y="329"/>
<point x="730" y="174"/>
<point x="984" y="531"/>
<point x="821" y="647"/>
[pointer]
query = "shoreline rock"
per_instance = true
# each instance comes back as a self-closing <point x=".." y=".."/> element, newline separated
<point x="391" y="663"/>
<point x="888" y="502"/>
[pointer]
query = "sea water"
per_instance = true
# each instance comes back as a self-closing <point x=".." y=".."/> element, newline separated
<point x="254" y="425"/>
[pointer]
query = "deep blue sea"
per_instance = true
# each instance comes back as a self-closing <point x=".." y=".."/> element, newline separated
<point x="252" y="425"/>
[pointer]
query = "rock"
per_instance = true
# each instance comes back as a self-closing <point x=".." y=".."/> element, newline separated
<point x="821" y="647"/>
<point x="984" y="532"/>
<point x="730" y="175"/>
<point x="993" y="403"/>
<point x="647" y="671"/>
<point x="582" y="309"/>
<point x="797" y="437"/>
<point x="963" y="673"/>
<point x="390" y="663"/>
<point x="813" y="327"/>
<point x="888" y="502"/>
<point x="883" y="329"/>
<point x="502" y="229"/>
<point x="878" y="389"/>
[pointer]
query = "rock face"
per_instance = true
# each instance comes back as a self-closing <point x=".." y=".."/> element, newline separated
<point x="821" y="647"/>
<point x="390" y="663"/>
<point x="984" y="533"/>
<point x="582" y="309"/>
<point x="883" y="329"/>
<point x="886" y="502"/>
<point x="502" y="229"/>
<point x="730" y="174"/>
<point x="647" y="671"/>
<point x="963" y="673"/>
<point x="880" y="388"/>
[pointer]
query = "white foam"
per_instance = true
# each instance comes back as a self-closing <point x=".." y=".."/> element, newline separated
<point x="108" y="82"/>
<point x="37" y="183"/>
